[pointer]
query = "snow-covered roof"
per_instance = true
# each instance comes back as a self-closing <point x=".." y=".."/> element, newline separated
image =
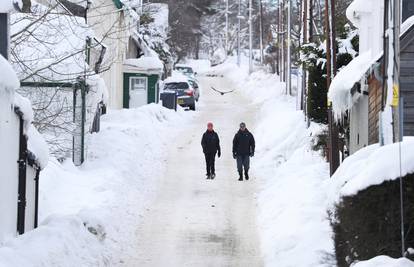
<point x="52" y="48"/>
<point x="372" y="165"/>
<point x="177" y="77"/>
<point x="406" y="25"/>
<point x="145" y="63"/>
<point x="8" y="79"/>
<point x="355" y="9"/>
<point x="9" y="5"/>
<point x="340" y="89"/>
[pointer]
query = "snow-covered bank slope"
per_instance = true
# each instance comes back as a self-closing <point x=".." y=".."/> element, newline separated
<point x="384" y="261"/>
<point x="108" y="194"/>
<point x="293" y="178"/>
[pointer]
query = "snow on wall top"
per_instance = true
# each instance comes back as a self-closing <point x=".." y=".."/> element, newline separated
<point x="35" y="142"/>
<point x="340" y="89"/>
<point x="372" y="165"/>
<point x="8" y="78"/>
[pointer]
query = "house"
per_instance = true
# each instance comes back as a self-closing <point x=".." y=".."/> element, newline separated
<point x="356" y="92"/>
<point x="116" y="24"/>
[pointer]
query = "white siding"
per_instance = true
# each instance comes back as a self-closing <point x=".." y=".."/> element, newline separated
<point x="9" y="155"/>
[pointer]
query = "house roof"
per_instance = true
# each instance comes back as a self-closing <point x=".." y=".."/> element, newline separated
<point x="342" y="84"/>
<point x="340" y="89"/>
<point x="145" y="64"/>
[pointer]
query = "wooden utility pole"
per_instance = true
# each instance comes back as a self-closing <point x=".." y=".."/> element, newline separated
<point x="261" y="30"/>
<point x="333" y="145"/>
<point x="288" y="48"/>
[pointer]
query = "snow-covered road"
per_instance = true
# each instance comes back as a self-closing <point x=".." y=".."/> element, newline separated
<point x="199" y="222"/>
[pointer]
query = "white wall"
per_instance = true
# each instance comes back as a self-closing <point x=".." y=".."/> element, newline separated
<point x="9" y="155"/>
<point x="30" y="199"/>
<point x="111" y="27"/>
<point x="358" y="125"/>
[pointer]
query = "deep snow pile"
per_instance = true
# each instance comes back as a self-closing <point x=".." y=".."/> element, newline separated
<point x="372" y="165"/>
<point x="384" y="261"/>
<point x="88" y="215"/>
<point x="293" y="178"/>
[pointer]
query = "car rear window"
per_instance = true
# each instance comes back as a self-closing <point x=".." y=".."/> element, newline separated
<point x="185" y="69"/>
<point x="176" y="86"/>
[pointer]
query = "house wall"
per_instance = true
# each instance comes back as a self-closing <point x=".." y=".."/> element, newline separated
<point x="9" y="155"/>
<point x="113" y="29"/>
<point x="358" y="133"/>
<point x="375" y="99"/>
<point x="407" y="81"/>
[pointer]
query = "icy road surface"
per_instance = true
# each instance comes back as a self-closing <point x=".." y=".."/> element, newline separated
<point x="199" y="222"/>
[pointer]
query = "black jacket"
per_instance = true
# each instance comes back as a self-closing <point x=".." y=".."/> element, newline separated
<point x="210" y="142"/>
<point x="243" y="143"/>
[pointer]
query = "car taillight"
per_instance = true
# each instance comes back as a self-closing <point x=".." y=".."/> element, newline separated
<point x="189" y="92"/>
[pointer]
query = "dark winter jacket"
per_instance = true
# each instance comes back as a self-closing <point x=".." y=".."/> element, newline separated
<point x="210" y="142"/>
<point x="243" y="143"/>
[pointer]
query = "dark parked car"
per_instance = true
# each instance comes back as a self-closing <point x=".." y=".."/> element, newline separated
<point x="186" y="96"/>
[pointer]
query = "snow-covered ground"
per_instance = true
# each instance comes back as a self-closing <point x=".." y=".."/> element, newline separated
<point x="107" y="195"/>
<point x="142" y="199"/>
<point x="293" y="179"/>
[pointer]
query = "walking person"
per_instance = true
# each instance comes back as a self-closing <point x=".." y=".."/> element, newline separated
<point x="243" y="149"/>
<point x="211" y="146"/>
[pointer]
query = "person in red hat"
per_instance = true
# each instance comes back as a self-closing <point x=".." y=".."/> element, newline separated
<point x="211" y="146"/>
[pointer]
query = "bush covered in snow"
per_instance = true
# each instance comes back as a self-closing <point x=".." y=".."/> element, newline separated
<point x="368" y="224"/>
<point x="313" y="57"/>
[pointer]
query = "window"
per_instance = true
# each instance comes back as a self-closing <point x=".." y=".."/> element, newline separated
<point x="138" y="83"/>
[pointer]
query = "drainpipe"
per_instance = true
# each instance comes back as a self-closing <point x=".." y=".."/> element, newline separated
<point x="21" y="203"/>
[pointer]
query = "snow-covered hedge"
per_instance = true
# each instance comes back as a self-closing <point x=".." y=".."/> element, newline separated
<point x="366" y="190"/>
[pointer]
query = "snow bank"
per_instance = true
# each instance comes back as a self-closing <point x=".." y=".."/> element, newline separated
<point x="340" y="89"/>
<point x="385" y="261"/>
<point x="293" y="179"/>
<point x="89" y="214"/>
<point x="372" y="165"/>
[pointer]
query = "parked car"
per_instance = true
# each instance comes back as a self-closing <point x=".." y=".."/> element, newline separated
<point x="196" y="87"/>
<point x="186" y="70"/>
<point x="186" y="96"/>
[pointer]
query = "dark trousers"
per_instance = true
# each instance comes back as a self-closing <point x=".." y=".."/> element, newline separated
<point x="243" y="161"/>
<point x="210" y="159"/>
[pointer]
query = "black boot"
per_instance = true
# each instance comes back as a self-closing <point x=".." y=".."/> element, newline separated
<point x="240" y="176"/>
<point x="246" y="174"/>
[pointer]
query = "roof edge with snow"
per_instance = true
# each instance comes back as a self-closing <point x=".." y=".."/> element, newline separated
<point x="340" y="90"/>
